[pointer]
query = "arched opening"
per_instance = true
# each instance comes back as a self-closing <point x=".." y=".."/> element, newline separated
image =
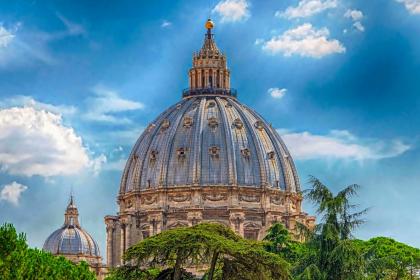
<point x="211" y="78"/>
<point x="145" y="231"/>
<point x="251" y="231"/>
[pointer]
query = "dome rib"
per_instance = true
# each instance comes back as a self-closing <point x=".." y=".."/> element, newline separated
<point x="175" y="120"/>
<point x="230" y="154"/>
<point x="256" y="146"/>
<point x="197" y="140"/>
<point x="171" y="170"/>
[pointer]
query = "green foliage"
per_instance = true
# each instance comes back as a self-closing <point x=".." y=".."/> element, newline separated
<point x="331" y="254"/>
<point x="17" y="261"/>
<point x="127" y="272"/>
<point x="279" y="241"/>
<point x="389" y="259"/>
<point x="212" y="244"/>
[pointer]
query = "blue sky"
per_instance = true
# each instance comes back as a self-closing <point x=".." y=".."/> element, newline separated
<point x="79" y="81"/>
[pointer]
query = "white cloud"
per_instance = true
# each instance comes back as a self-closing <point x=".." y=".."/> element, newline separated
<point x="12" y="192"/>
<point x="73" y="29"/>
<point x="307" y="8"/>
<point x="106" y="103"/>
<point x="277" y="92"/>
<point x="304" y="40"/>
<point x="6" y="37"/>
<point x="359" y="26"/>
<point x="28" y="101"/>
<point x="97" y="163"/>
<point x="340" y="144"/>
<point x="166" y="24"/>
<point x="35" y="142"/>
<point x="21" y="46"/>
<point x="413" y="6"/>
<point x="355" y="15"/>
<point x="232" y="10"/>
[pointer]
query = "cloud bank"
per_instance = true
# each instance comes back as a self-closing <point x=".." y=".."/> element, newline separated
<point x="304" y="40"/>
<point x="413" y="6"/>
<point x="340" y="144"/>
<point x="277" y="93"/>
<point x="232" y="10"/>
<point x="35" y="142"/>
<point x="307" y="8"/>
<point x="12" y="192"/>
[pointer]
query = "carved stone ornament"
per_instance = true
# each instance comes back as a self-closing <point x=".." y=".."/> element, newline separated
<point x="213" y="123"/>
<point x="188" y="122"/>
<point x="178" y="106"/>
<point x="249" y="198"/>
<point x="150" y="127"/>
<point x="211" y="104"/>
<point x="237" y="123"/>
<point x="259" y="125"/>
<point x="246" y="153"/>
<point x="214" y="151"/>
<point x="228" y="105"/>
<point x="181" y="152"/>
<point x="165" y="124"/>
<point x="129" y="203"/>
<point x="277" y="200"/>
<point x="179" y="197"/>
<point x="148" y="199"/>
<point x="178" y="224"/>
<point x="214" y="196"/>
<point x="271" y="155"/>
<point x="154" y="154"/>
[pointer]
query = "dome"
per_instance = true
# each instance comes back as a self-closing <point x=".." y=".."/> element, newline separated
<point x="209" y="140"/>
<point x="71" y="239"/>
<point x="207" y="158"/>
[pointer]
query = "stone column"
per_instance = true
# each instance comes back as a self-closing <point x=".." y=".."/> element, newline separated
<point x="122" y="243"/>
<point x="206" y="78"/>
<point x="198" y="79"/>
<point x="236" y="223"/>
<point x="214" y="79"/>
<point x="128" y="235"/>
<point x="109" y="245"/>
<point x="193" y="84"/>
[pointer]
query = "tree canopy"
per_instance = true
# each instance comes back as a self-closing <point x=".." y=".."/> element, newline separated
<point x="229" y="256"/>
<point x="18" y="262"/>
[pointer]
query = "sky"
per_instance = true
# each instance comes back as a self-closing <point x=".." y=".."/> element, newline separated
<point x="80" y="80"/>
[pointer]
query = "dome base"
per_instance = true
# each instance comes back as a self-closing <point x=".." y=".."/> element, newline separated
<point x="249" y="211"/>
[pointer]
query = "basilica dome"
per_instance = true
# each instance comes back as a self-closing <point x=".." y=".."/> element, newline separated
<point x="209" y="140"/>
<point x="207" y="158"/>
<point x="71" y="239"/>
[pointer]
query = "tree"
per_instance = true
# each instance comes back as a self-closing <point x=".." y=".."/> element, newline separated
<point x="389" y="259"/>
<point x="331" y="253"/>
<point x="279" y="241"/>
<point x="18" y="262"/>
<point x="228" y="254"/>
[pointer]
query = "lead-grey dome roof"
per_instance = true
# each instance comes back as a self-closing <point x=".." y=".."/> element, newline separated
<point x="71" y="239"/>
<point x="209" y="140"/>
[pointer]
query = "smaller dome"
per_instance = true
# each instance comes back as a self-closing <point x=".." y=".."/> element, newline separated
<point x="71" y="239"/>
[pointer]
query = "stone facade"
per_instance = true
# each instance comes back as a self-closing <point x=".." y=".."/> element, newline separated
<point x="247" y="211"/>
